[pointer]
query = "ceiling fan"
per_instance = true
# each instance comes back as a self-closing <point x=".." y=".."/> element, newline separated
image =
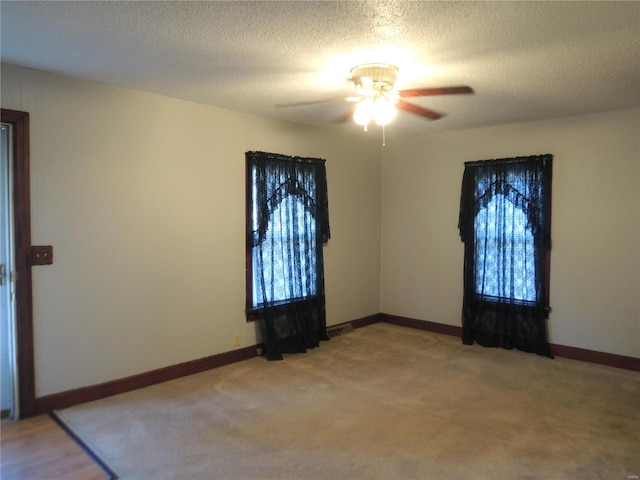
<point x="377" y="99"/>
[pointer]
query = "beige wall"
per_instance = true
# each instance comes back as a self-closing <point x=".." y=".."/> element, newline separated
<point x="595" y="259"/>
<point x="142" y="198"/>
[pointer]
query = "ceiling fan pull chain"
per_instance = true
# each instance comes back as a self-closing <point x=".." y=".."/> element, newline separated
<point x="384" y="138"/>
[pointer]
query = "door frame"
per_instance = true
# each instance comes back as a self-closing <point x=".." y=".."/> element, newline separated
<point x="22" y="247"/>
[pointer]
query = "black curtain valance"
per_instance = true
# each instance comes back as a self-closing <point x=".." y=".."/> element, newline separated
<point x="520" y="179"/>
<point x="277" y="176"/>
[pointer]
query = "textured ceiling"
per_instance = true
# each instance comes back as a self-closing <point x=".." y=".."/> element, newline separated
<point x="525" y="60"/>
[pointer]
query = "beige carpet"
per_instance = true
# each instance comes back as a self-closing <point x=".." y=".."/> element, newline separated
<point x="382" y="402"/>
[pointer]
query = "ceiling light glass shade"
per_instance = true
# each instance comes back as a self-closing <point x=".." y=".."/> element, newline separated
<point x="364" y="112"/>
<point x="384" y="112"/>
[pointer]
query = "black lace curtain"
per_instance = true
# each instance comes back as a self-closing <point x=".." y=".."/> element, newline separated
<point x="290" y="224"/>
<point x="505" y="224"/>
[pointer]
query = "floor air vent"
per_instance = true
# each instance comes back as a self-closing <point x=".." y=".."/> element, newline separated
<point x="341" y="329"/>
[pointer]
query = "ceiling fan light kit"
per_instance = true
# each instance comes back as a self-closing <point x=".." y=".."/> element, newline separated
<point x="379" y="110"/>
<point x="374" y="83"/>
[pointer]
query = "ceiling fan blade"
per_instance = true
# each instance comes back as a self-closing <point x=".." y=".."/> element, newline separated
<point x="316" y="102"/>
<point x="346" y="116"/>
<point x="423" y="112"/>
<point x="427" y="92"/>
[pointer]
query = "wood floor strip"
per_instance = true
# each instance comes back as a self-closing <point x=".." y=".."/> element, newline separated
<point x="36" y="448"/>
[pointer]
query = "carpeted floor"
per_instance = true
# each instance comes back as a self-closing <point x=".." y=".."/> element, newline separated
<point x="382" y="402"/>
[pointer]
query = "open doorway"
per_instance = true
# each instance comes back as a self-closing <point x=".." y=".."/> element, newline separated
<point x="8" y="367"/>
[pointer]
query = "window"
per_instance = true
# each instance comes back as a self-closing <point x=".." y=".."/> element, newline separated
<point x="505" y="223"/>
<point x="505" y="260"/>
<point x="290" y="227"/>
<point x="287" y="225"/>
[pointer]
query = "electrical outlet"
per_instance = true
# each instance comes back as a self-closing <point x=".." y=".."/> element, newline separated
<point x="41" y="255"/>
<point x="236" y="340"/>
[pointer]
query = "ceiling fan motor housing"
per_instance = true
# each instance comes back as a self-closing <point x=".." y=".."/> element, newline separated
<point x="379" y="76"/>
